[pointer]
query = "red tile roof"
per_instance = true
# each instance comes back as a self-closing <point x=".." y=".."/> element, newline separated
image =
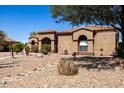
<point x="91" y="28"/>
<point x="7" y="39"/>
<point x="98" y="28"/>
<point x="47" y="31"/>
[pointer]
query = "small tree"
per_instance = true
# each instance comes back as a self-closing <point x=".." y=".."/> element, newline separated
<point x="34" y="49"/>
<point x="17" y="47"/>
<point x="46" y="48"/>
<point x="11" y="49"/>
<point x="27" y="49"/>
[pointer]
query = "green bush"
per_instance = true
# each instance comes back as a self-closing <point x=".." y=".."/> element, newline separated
<point x="46" y="48"/>
<point x="120" y="50"/>
<point x="17" y="47"/>
<point x="34" y="48"/>
<point x="27" y="49"/>
<point x="5" y="48"/>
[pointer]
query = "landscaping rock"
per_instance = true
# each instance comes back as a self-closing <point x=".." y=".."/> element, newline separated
<point x="3" y="81"/>
<point x="39" y="55"/>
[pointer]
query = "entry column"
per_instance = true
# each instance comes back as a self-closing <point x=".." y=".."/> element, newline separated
<point x="39" y="45"/>
<point x="52" y="45"/>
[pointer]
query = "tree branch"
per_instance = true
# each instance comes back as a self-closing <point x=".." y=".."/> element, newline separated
<point x="119" y="29"/>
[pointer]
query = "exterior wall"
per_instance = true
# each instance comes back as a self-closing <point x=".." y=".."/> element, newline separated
<point x="102" y="39"/>
<point x="105" y="40"/>
<point x="90" y="46"/>
<point x="32" y="39"/>
<point x="70" y="42"/>
<point x="89" y="36"/>
<point x="65" y="43"/>
<point x="77" y="34"/>
<point x="50" y="36"/>
<point x="41" y="37"/>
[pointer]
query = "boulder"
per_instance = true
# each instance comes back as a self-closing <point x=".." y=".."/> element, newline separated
<point x="39" y="55"/>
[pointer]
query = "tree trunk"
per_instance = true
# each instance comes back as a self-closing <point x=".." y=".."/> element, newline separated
<point x="122" y="25"/>
<point x="12" y="53"/>
<point x="122" y="44"/>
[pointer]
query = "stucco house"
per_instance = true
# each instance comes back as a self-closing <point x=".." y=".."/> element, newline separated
<point x="88" y="40"/>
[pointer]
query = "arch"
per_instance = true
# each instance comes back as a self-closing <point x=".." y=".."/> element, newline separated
<point x="46" y="44"/>
<point x="46" y="40"/>
<point x="34" y="46"/>
<point x="32" y="42"/>
<point x="83" y="43"/>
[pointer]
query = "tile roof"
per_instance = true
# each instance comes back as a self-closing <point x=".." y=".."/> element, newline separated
<point x="98" y="28"/>
<point x="7" y="39"/>
<point x="47" y="31"/>
<point x="91" y="28"/>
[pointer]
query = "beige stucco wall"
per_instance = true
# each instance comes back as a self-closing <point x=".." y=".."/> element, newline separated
<point x="78" y="33"/>
<point x="32" y="39"/>
<point x="70" y="42"/>
<point x="89" y="36"/>
<point x="102" y="39"/>
<point x="65" y="43"/>
<point x="105" y="40"/>
<point x="50" y="36"/>
<point x="41" y="37"/>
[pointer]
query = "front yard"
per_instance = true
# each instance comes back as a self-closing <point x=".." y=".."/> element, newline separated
<point x="36" y="72"/>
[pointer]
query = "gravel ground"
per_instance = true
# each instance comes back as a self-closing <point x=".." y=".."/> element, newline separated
<point x="32" y="72"/>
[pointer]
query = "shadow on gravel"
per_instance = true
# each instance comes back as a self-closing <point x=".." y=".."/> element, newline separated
<point x="10" y="64"/>
<point x="98" y="62"/>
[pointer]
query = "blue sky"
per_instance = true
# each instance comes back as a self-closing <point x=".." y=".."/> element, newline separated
<point x="19" y="21"/>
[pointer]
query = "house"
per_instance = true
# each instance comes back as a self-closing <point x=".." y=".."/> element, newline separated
<point x="10" y="41"/>
<point x="88" y="40"/>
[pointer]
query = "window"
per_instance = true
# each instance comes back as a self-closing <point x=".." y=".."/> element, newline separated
<point x="83" y="45"/>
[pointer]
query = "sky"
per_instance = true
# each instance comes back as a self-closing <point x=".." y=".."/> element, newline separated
<point x="19" y="21"/>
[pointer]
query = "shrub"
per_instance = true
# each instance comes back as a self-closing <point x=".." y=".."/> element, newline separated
<point x="17" y="47"/>
<point x="67" y="67"/>
<point x="46" y="48"/>
<point x="6" y="48"/>
<point x="74" y="54"/>
<point x="120" y="50"/>
<point x="27" y="49"/>
<point x="34" y="48"/>
<point x="65" y="52"/>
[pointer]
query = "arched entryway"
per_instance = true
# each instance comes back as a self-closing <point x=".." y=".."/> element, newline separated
<point x="34" y="47"/>
<point x="46" y="44"/>
<point x="33" y="42"/>
<point x="82" y="43"/>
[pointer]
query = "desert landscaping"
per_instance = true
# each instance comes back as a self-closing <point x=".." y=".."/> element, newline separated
<point x="40" y="71"/>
